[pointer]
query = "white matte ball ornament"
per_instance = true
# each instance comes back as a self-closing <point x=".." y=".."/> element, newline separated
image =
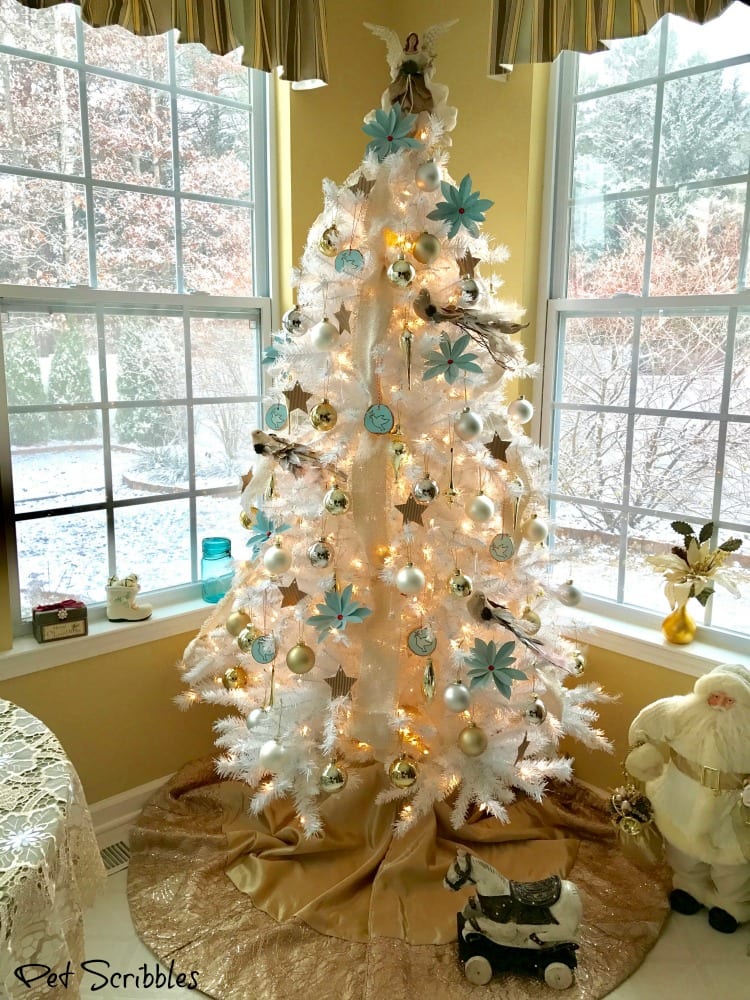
<point x="569" y="594"/>
<point x="324" y="335"/>
<point x="272" y="755"/>
<point x="535" y="530"/>
<point x="468" y="424"/>
<point x="428" y="176"/>
<point x="410" y="580"/>
<point x="481" y="509"/>
<point x="521" y="410"/>
<point x="255" y="717"/>
<point x="277" y="559"/>
<point x="457" y="697"/>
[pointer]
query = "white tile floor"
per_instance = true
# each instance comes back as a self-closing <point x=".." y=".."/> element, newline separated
<point x="689" y="962"/>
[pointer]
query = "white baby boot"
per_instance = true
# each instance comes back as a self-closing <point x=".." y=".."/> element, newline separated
<point x="121" y="605"/>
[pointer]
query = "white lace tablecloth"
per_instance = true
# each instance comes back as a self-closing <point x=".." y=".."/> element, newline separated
<point x="50" y="866"/>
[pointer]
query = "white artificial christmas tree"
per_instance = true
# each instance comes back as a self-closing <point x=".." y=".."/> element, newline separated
<point x="392" y="605"/>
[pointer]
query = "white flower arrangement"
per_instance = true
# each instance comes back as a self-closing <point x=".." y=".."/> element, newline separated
<point x="693" y="569"/>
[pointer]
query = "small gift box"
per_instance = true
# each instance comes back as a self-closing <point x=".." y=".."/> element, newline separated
<point x="59" y="621"/>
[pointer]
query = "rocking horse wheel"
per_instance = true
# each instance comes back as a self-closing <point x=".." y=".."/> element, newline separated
<point x="478" y="970"/>
<point x="558" y="975"/>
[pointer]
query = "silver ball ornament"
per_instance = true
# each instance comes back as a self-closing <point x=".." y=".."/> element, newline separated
<point x="301" y="658"/>
<point x="457" y="697"/>
<point x="320" y="554"/>
<point x="569" y="595"/>
<point x="401" y="273"/>
<point x="578" y="665"/>
<point x="410" y="580"/>
<point x="324" y="335"/>
<point x="336" y="501"/>
<point x="428" y="176"/>
<point x="468" y="424"/>
<point x="459" y="585"/>
<point x="481" y="509"/>
<point x="535" y="530"/>
<point x="272" y="755"/>
<point x="426" y="249"/>
<point x="255" y="717"/>
<point x="469" y="291"/>
<point x="247" y="637"/>
<point x="425" y="490"/>
<point x="521" y="410"/>
<point x="472" y="740"/>
<point x="332" y="778"/>
<point x="277" y="559"/>
<point x="404" y="771"/>
<point x="294" y="322"/>
<point x="535" y="712"/>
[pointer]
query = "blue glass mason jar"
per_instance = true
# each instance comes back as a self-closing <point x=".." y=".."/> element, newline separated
<point x="217" y="571"/>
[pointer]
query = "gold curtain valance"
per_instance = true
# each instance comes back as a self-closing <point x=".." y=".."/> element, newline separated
<point x="273" y="33"/>
<point x="525" y="31"/>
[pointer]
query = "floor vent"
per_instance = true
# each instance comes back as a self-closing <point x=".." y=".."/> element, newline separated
<point x="116" y="857"/>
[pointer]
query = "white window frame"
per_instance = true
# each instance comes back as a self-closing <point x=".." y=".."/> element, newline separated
<point x="608" y="624"/>
<point x="177" y="609"/>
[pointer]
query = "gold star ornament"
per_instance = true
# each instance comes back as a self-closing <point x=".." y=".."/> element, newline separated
<point x="291" y="595"/>
<point x="362" y="187"/>
<point x="411" y="511"/>
<point x="497" y="447"/>
<point x="296" y="398"/>
<point x="466" y="265"/>
<point x="342" y="318"/>
<point x="340" y="684"/>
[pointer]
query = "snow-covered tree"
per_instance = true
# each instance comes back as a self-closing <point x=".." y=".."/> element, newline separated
<point x="23" y="376"/>
<point x="70" y="382"/>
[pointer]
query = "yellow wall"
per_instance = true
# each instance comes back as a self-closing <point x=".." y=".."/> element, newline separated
<point x="115" y="714"/>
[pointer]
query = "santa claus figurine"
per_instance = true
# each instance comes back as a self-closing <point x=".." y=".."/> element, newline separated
<point x="693" y="753"/>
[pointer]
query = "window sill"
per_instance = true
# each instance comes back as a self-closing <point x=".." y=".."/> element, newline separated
<point x="28" y="656"/>
<point x="645" y="642"/>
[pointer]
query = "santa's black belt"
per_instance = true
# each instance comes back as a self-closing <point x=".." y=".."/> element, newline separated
<point x="709" y="777"/>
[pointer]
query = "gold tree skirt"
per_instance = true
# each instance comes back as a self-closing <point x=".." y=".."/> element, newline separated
<point x="260" y="913"/>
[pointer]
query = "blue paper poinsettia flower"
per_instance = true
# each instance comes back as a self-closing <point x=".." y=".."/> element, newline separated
<point x="450" y="360"/>
<point x="339" y="609"/>
<point x="263" y="531"/>
<point x="489" y="660"/>
<point x="390" y="132"/>
<point x="271" y="353"/>
<point x="462" y="207"/>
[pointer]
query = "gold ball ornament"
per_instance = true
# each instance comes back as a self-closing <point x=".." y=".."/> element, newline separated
<point x="236" y="621"/>
<point x="401" y="273"/>
<point x="300" y="659"/>
<point x="472" y="740"/>
<point x="234" y="678"/>
<point x="336" y="501"/>
<point x="247" y="637"/>
<point x="328" y="244"/>
<point x="578" y="665"/>
<point x="333" y="778"/>
<point x="426" y="249"/>
<point x="459" y="585"/>
<point x="532" y="619"/>
<point x="248" y="520"/>
<point x="403" y="772"/>
<point x="323" y="417"/>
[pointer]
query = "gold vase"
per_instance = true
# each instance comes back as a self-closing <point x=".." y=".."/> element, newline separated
<point x="679" y="627"/>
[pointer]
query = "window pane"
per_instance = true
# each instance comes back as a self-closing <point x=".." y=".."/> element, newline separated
<point x="52" y="32"/>
<point x="135" y="247"/>
<point x="597" y="360"/>
<point x="42" y="232"/>
<point x="224" y="357"/>
<point x="587" y="544"/>
<point x="739" y="396"/>
<point x="728" y="612"/>
<point x="145" y="357"/>
<point x="644" y="585"/>
<point x="214" y="149"/>
<point x="59" y="475"/>
<point x="591" y="454"/>
<point x="149" y="450"/>
<point x="217" y="248"/>
<point x="713" y="139"/>
<point x="628" y="60"/>
<point x="223" y="76"/>
<point x="219" y="515"/>
<point x="223" y="447"/>
<point x="40" y="120"/>
<point x="735" y="501"/>
<point x="607" y="248"/>
<point x="674" y="465"/>
<point x="131" y="133"/>
<point x="681" y="362"/>
<point x="721" y="38"/>
<point x="153" y="541"/>
<point x="614" y="142"/>
<point x="697" y="236"/>
<point x="62" y="555"/>
<point x="120" y="50"/>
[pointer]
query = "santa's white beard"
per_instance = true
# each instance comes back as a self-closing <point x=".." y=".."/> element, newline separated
<point x="714" y="737"/>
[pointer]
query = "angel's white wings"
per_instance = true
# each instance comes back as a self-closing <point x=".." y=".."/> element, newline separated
<point x="394" y="48"/>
